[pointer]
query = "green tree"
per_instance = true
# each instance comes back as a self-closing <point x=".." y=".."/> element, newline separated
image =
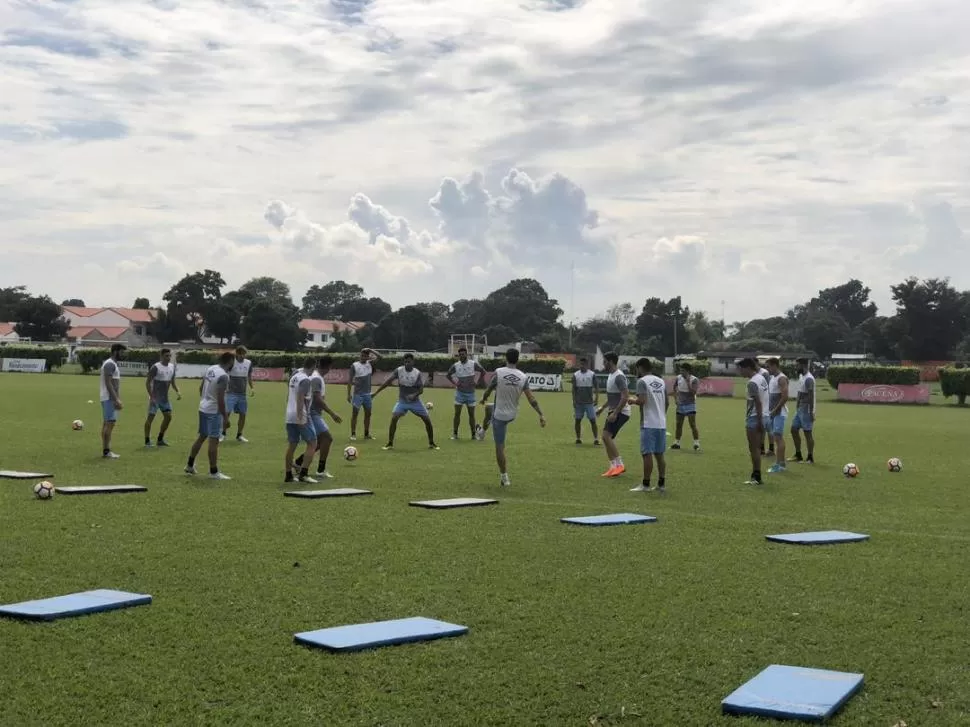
<point x="824" y="332"/>
<point x="665" y="321"/>
<point x="932" y="318"/>
<point x="522" y="305"/>
<point x="268" y="289"/>
<point x="40" y="319"/>
<point x="409" y="327"/>
<point x="188" y="301"/>
<point x="140" y="304"/>
<point x="322" y="302"/>
<point x="850" y="301"/>
<point x="272" y="326"/>
<point x="74" y="303"/>
<point x="10" y="298"/>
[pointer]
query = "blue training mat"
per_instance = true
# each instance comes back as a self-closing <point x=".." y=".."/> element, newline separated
<point x="792" y="692"/>
<point x="822" y="537"/>
<point x="357" y="637"/>
<point x="74" y="604"/>
<point x="622" y="518"/>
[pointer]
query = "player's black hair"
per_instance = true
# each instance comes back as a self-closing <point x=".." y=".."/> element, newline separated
<point x="325" y="362"/>
<point x="117" y="348"/>
<point x="584" y="359"/>
<point x="226" y="358"/>
<point x="309" y="362"/>
<point x="686" y="367"/>
<point x="773" y="361"/>
<point x="612" y="357"/>
<point x="803" y="361"/>
<point x="748" y="363"/>
<point x="645" y="364"/>
<point x="241" y="350"/>
<point x="462" y="349"/>
<point x="166" y="350"/>
<point x="512" y="355"/>
<point x="408" y="356"/>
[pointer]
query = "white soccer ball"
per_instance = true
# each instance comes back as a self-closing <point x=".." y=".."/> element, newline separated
<point x="77" y="425"/>
<point x="44" y="490"/>
<point x="895" y="464"/>
<point x="350" y="453"/>
<point x="851" y="470"/>
<point x="429" y="406"/>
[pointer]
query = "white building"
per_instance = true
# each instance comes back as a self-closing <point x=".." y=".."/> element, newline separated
<point x="8" y="334"/>
<point x="320" y="334"/>
<point x="117" y="325"/>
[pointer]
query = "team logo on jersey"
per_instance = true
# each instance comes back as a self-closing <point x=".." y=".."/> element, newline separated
<point x="511" y="378"/>
<point x="656" y="385"/>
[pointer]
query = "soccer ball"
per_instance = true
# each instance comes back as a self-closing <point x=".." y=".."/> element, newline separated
<point x="851" y="470"/>
<point x="350" y="453"/>
<point x="44" y="490"/>
<point x="895" y="464"/>
<point x="77" y="425"/>
<point x="429" y="406"/>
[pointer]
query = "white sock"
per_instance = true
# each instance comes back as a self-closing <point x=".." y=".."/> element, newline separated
<point x="614" y="463"/>
<point x="676" y="441"/>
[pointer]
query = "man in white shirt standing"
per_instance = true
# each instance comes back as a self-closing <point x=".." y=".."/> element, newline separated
<point x="804" y="419"/>
<point x="240" y="379"/>
<point x="685" y="389"/>
<point x="319" y="406"/>
<point x="508" y="384"/>
<point x="410" y="387"/>
<point x="755" y="413"/>
<point x="299" y="426"/>
<point x="653" y="401"/>
<point x="777" y="411"/>
<point x="359" y="391"/>
<point x="465" y="374"/>
<point x="617" y="401"/>
<point x="161" y="378"/>
<point x="585" y="398"/>
<point x="110" y="379"/>
<point x="213" y="415"/>
<point x="767" y="443"/>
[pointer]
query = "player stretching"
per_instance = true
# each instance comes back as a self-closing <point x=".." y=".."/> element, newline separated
<point x="755" y="414"/>
<point x="240" y="377"/>
<point x="686" y="391"/>
<point x="465" y="375"/>
<point x="213" y="415"/>
<point x="766" y="437"/>
<point x="299" y="426"/>
<point x="486" y="422"/>
<point x="318" y="405"/>
<point x="508" y="384"/>
<point x="777" y="411"/>
<point x="359" y="391"/>
<point x="653" y="401"/>
<point x="617" y="401"/>
<point x="804" y="420"/>
<point x="410" y="387"/>
<point x="586" y="396"/>
<point x="110" y="397"/>
<point x="161" y="376"/>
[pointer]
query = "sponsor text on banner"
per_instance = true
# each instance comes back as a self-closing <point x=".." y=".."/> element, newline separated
<point x="885" y="393"/>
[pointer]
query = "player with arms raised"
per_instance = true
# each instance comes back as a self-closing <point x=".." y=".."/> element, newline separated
<point x="359" y="391"/>
<point x="240" y="378"/>
<point x="617" y="401"/>
<point x="161" y="377"/>
<point x="298" y="424"/>
<point x="586" y="396"/>
<point x="756" y="410"/>
<point x="804" y="420"/>
<point x="213" y="415"/>
<point x="654" y="402"/>
<point x="466" y="375"/>
<point x="508" y="384"/>
<point x="111" y="404"/>
<point x="685" y="390"/>
<point x="410" y="387"/>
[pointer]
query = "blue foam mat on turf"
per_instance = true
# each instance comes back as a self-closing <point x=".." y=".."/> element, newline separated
<point x="621" y="518"/>
<point x="792" y="692"/>
<point x="357" y="637"/>
<point x="821" y="537"/>
<point x="74" y="604"/>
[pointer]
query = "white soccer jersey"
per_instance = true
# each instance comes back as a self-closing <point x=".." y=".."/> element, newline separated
<point x="613" y="394"/>
<point x="654" y="391"/>
<point x="111" y="368"/>
<point x="509" y="385"/>
<point x="215" y="381"/>
<point x="299" y="386"/>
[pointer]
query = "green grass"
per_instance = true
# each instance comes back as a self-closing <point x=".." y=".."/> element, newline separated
<point x="638" y="625"/>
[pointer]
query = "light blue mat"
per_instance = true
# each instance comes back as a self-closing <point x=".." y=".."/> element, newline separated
<point x="821" y="537"/>
<point x="791" y="692"/>
<point x="74" y="604"/>
<point x="622" y="518"/>
<point x="357" y="637"/>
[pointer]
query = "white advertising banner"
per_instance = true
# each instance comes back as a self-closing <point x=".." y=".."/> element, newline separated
<point x="133" y="368"/>
<point x="25" y="365"/>
<point x="545" y="382"/>
<point x="190" y="371"/>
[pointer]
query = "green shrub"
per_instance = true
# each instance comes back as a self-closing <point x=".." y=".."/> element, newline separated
<point x="955" y="382"/>
<point x="895" y="375"/>
<point x="701" y="368"/>
<point x="55" y="356"/>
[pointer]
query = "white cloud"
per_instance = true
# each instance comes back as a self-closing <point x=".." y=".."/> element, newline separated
<point x="434" y="149"/>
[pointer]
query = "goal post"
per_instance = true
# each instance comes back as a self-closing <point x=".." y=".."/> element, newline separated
<point x="474" y="342"/>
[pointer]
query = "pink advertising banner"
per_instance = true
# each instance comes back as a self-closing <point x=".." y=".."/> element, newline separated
<point x="709" y="387"/>
<point x="885" y="393"/>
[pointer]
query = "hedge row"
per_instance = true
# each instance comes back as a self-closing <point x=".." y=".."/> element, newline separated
<point x="955" y="382"/>
<point x="55" y="356"/>
<point x="898" y="375"/>
<point x="92" y="358"/>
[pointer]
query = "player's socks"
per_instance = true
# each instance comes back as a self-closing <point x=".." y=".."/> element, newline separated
<point x="662" y="484"/>
<point x="148" y="441"/>
<point x="191" y="462"/>
<point x="288" y="477"/>
<point x="298" y="461"/>
<point x="213" y="470"/>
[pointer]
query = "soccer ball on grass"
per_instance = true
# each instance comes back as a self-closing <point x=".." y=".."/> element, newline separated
<point x="44" y="490"/>
<point x="77" y="425"/>
<point x="851" y="470"/>
<point x="429" y="406"/>
<point x="350" y="453"/>
<point x="895" y="464"/>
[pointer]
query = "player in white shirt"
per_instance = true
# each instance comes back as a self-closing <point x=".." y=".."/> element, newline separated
<point x="111" y="404"/>
<point x="359" y="391"/>
<point x="213" y="415"/>
<point x="466" y="375"/>
<point x="767" y="443"/>
<point x="410" y="387"/>
<point x="319" y="406"/>
<point x="804" y="419"/>
<point x="161" y="378"/>
<point x="777" y="411"/>
<point x="299" y="426"/>
<point x="617" y="401"/>
<point x="685" y="389"/>
<point x="756" y="414"/>
<point x="654" y="402"/>
<point x="508" y="384"/>
<point x="240" y="379"/>
<point x="585" y="398"/>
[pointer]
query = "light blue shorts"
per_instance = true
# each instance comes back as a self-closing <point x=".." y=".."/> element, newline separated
<point x="415" y="407"/>
<point x="363" y="400"/>
<point x="295" y="433"/>
<point x="236" y="403"/>
<point x="108" y="412"/>
<point x="752" y="422"/>
<point x="465" y="398"/>
<point x="210" y="425"/>
<point x="686" y="409"/>
<point x="499" y="429"/>
<point x="319" y="425"/>
<point x="653" y="441"/>
<point x="153" y="408"/>
<point x="584" y="410"/>
<point x="803" y="420"/>
<point x="778" y="424"/>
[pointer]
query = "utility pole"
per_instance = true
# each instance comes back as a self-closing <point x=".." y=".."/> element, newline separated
<point x="675" y="335"/>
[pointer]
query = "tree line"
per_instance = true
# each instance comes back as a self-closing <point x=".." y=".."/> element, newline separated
<point x="931" y="320"/>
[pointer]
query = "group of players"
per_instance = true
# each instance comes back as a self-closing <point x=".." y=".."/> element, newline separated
<point x="225" y="386"/>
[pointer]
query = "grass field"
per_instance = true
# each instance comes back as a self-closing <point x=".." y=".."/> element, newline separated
<point x="638" y="625"/>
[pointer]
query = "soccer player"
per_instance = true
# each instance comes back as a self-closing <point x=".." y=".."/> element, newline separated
<point x="410" y="387"/>
<point x="617" y="401"/>
<point x="777" y="411"/>
<point x="299" y="426"/>
<point x="686" y="391"/>
<point x="466" y="375"/>
<point x="240" y="377"/>
<point x="766" y="437"/>
<point x="508" y="384"/>
<point x="359" y="391"/>
<point x="318" y="405"/>
<point x="161" y="377"/>
<point x="654" y="402"/>
<point x="804" y="420"/>
<point x="111" y="403"/>
<point x="586" y="396"/>
<point x="213" y="415"/>
<point x="755" y="414"/>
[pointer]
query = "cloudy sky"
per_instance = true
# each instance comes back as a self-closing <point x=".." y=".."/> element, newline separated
<point x="745" y="151"/>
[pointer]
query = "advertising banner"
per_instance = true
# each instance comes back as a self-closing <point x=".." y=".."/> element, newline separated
<point x="25" y="365"/>
<point x="885" y="393"/>
<point x="545" y="382"/>
<point x="708" y="387"/>
<point x="261" y="374"/>
<point x="133" y="368"/>
<point x="190" y="371"/>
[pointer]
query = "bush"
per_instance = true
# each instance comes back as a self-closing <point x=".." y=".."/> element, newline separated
<point x="955" y="382"/>
<point x="55" y="356"/>
<point x="701" y="368"/>
<point x="898" y="375"/>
